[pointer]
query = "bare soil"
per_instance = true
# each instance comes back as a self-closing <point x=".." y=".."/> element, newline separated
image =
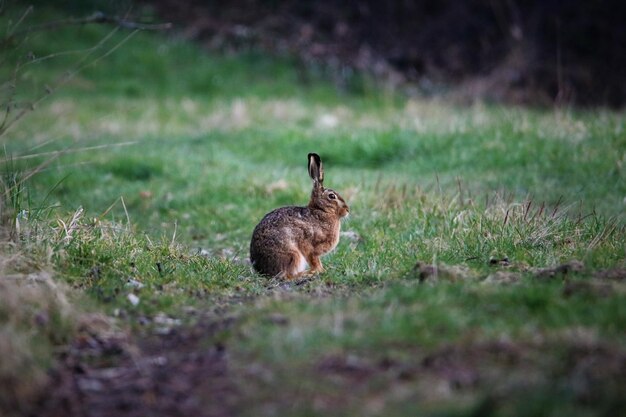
<point x="178" y="373"/>
<point x="186" y="370"/>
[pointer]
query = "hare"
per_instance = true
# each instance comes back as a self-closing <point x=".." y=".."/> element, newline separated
<point x="290" y="238"/>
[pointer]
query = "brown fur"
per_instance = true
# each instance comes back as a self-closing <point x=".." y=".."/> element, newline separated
<point x="289" y="236"/>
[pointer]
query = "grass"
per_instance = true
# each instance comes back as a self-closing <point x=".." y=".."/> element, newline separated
<point x="173" y="155"/>
<point x="38" y="316"/>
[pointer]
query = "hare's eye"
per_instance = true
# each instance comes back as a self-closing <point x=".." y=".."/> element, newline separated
<point x="332" y="196"/>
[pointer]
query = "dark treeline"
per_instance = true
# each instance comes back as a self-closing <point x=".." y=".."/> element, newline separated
<point x="535" y="51"/>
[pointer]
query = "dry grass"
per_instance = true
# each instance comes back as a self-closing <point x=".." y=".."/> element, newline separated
<point x="39" y="315"/>
<point x="35" y="316"/>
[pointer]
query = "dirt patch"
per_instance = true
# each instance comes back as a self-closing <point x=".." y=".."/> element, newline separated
<point x="559" y="271"/>
<point x="187" y="371"/>
<point x="425" y="272"/>
<point x="590" y="374"/>
<point x="615" y="274"/>
<point x="457" y="365"/>
<point x="181" y="373"/>
<point x="503" y="277"/>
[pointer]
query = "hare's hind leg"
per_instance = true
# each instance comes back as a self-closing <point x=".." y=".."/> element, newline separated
<point x="316" y="265"/>
<point x="294" y="265"/>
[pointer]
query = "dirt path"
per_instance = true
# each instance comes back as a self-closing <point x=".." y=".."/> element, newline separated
<point x="178" y="373"/>
<point x="185" y="372"/>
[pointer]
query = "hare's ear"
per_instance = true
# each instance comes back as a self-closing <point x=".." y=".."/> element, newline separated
<point x="316" y="170"/>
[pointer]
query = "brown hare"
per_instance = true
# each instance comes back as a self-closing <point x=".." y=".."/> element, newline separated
<point x="290" y="238"/>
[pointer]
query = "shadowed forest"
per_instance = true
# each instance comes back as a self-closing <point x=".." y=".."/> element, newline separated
<point x="537" y="52"/>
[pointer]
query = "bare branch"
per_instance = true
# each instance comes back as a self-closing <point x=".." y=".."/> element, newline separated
<point x="97" y="17"/>
<point x="68" y="75"/>
<point x="28" y="11"/>
<point x="10" y="113"/>
<point x="69" y="151"/>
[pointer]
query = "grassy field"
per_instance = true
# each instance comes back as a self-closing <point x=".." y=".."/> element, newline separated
<point x="481" y="271"/>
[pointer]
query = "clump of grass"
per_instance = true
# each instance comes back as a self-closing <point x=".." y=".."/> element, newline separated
<point x="38" y="314"/>
<point x="532" y="234"/>
<point x="135" y="275"/>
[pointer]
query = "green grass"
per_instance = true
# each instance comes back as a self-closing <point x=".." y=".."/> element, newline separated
<point x="175" y="154"/>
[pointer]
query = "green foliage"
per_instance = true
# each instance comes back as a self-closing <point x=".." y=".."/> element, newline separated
<point x="102" y="59"/>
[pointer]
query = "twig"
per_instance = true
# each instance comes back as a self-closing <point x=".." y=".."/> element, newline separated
<point x="97" y="17"/>
<point x="63" y="80"/>
<point x="53" y="156"/>
<point x="556" y="207"/>
<point x="527" y="209"/>
<point x="69" y="151"/>
<point x="28" y="11"/>
<point x="174" y="234"/>
<point x="125" y="212"/>
<point x="105" y="212"/>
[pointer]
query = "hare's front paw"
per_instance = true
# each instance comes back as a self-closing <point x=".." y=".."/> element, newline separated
<point x="318" y="270"/>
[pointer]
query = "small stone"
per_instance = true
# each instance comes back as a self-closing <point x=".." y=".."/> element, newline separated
<point x="351" y="235"/>
<point x="134" y="300"/>
<point x="497" y="261"/>
<point x="204" y="252"/>
<point x="133" y="283"/>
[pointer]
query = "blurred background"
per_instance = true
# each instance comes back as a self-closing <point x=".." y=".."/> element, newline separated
<point x="492" y="92"/>
<point x="530" y="52"/>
